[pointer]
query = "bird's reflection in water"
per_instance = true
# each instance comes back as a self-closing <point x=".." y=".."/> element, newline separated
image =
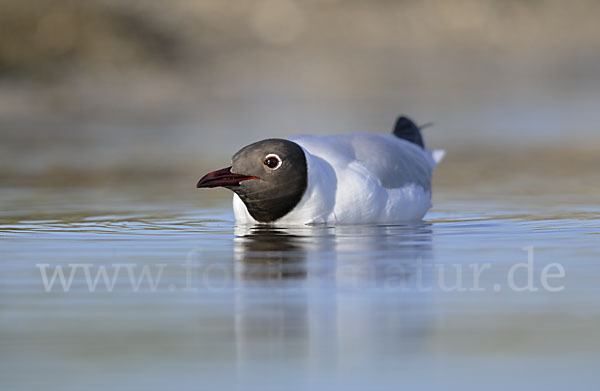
<point x="330" y="297"/>
<point x="363" y="255"/>
<point x="266" y="253"/>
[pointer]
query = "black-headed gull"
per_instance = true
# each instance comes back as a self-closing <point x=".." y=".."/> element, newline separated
<point x="357" y="178"/>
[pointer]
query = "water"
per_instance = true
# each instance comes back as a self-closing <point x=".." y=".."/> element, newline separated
<point x="345" y="307"/>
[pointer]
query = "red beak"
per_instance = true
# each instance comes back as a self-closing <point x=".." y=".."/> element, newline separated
<point x="223" y="177"/>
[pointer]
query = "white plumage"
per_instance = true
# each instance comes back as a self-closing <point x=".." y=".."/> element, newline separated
<point x="359" y="179"/>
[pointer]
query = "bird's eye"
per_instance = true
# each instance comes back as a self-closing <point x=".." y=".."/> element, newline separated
<point x="272" y="161"/>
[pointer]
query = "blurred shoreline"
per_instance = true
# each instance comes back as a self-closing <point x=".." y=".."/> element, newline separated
<point x="469" y="170"/>
<point x="104" y="91"/>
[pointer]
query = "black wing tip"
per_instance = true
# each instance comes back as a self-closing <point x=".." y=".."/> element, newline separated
<point x="406" y="129"/>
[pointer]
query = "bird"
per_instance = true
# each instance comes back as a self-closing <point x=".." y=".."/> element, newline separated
<point x="356" y="178"/>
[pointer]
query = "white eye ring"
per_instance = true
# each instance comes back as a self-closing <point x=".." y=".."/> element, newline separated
<point x="273" y="155"/>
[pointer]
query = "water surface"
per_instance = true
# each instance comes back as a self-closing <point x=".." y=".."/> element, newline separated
<point x="349" y="307"/>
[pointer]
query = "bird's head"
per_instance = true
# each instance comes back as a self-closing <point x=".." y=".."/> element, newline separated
<point x="270" y="177"/>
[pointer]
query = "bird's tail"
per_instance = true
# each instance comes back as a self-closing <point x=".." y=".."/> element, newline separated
<point x="407" y="130"/>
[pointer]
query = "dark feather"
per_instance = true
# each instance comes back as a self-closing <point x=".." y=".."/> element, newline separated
<point x="409" y="131"/>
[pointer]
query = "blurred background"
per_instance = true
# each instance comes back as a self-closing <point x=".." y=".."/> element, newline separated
<point x="110" y="91"/>
<point x="111" y="110"/>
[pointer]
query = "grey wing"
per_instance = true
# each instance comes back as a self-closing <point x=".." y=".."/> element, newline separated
<point x="394" y="162"/>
